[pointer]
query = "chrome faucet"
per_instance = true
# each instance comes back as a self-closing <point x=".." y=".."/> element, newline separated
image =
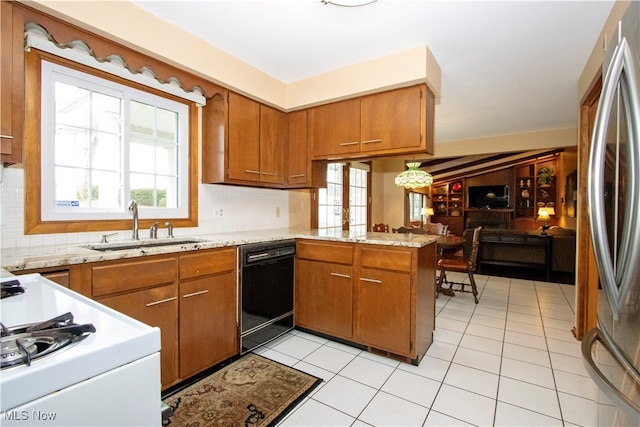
<point x="153" y="231"/>
<point x="169" y="228"/>
<point x="133" y="208"/>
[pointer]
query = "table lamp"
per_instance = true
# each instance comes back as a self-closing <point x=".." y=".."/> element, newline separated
<point x="427" y="212"/>
<point x="544" y="215"/>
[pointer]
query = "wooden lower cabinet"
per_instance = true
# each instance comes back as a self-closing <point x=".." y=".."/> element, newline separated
<point x="383" y="295"/>
<point x="384" y="310"/>
<point x="207" y="322"/>
<point x="191" y="297"/>
<point x="155" y="307"/>
<point x="324" y="297"/>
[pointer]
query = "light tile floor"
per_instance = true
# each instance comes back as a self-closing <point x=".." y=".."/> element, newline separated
<point x="510" y="360"/>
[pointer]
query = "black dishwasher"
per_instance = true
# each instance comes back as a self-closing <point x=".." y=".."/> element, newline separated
<point x="266" y="292"/>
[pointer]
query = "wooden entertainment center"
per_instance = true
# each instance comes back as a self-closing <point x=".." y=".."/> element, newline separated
<point x="527" y="191"/>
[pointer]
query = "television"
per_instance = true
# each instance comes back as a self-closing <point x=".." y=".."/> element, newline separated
<point x="488" y="197"/>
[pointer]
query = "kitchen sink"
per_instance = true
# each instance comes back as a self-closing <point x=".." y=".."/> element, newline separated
<point x="140" y="244"/>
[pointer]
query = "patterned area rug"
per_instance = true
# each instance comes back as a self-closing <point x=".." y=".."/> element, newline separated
<point x="252" y="391"/>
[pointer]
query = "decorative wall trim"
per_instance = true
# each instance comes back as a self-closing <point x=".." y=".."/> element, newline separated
<point x="78" y="51"/>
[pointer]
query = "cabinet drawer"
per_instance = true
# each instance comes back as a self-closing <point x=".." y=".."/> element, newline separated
<point x="398" y="260"/>
<point x="209" y="262"/>
<point x="341" y="253"/>
<point x="127" y="276"/>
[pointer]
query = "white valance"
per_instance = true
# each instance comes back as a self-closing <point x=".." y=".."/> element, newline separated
<point x="77" y="51"/>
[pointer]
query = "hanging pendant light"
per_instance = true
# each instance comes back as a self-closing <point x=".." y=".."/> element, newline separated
<point x="413" y="177"/>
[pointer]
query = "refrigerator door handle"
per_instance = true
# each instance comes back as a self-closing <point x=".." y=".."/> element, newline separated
<point x="618" y="397"/>
<point x="616" y="279"/>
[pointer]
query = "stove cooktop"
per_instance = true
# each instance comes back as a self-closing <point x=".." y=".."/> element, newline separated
<point x="118" y="339"/>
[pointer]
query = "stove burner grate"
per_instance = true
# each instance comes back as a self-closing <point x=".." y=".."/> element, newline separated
<point x="22" y="344"/>
<point x="10" y="288"/>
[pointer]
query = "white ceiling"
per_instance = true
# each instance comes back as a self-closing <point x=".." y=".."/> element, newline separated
<point x="507" y="66"/>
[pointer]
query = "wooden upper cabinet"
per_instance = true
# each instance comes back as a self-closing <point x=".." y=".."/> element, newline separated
<point x="11" y="82"/>
<point x="393" y="122"/>
<point x="273" y="144"/>
<point x="298" y="155"/>
<point x="244" y="142"/>
<point x="334" y="129"/>
<point x="244" y="138"/>
<point x="301" y="171"/>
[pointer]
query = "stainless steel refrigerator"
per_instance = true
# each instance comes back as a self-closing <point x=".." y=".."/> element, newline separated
<point x="611" y="351"/>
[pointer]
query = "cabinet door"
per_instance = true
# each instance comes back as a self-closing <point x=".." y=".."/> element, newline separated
<point x="244" y="138"/>
<point x="11" y="82"/>
<point x="273" y="144"/>
<point x="324" y="297"/>
<point x="334" y="129"/>
<point x="208" y="332"/>
<point x="298" y="155"/>
<point x="155" y="307"/>
<point x="391" y="120"/>
<point x="384" y="310"/>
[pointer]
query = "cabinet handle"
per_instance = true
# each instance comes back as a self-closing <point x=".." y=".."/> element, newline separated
<point x="161" y="301"/>
<point x="346" y="276"/>
<point x="269" y="173"/>
<point x="298" y="175"/>
<point x="251" y="171"/>
<point x="369" y="141"/>
<point x="350" y="143"/>
<point x="6" y="136"/>
<point x="364" y="279"/>
<point x="195" y="293"/>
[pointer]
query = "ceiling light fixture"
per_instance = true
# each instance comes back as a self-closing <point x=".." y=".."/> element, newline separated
<point x="413" y="177"/>
<point x="348" y="3"/>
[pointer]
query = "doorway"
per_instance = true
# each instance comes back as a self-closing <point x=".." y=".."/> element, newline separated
<point x="344" y="205"/>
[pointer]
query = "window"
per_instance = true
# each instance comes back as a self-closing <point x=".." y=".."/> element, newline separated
<point x="345" y="207"/>
<point x="104" y="143"/>
<point x="97" y="143"/>
<point x="417" y="201"/>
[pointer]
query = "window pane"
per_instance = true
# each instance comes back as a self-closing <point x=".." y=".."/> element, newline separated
<point x="106" y="152"/>
<point x="71" y="186"/>
<point x="73" y="105"/>
<point x="142" y="155"/>
<point x="167" y="192"/>
<point x="143" y="189"/>
<point x="71" y="147"/>
<point x="106" y="114"/>
<point x="106" y="190"/>
<point x="79" y="188"/>
<point x="167" y="124"/>
<point x="143" y="120"/>
<point x="166" y="158"/>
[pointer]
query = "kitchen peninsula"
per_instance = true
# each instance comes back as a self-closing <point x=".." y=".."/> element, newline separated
<point x="388" y="280"/>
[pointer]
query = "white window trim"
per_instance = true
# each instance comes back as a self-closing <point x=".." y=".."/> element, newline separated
<point x="49" y="210"/>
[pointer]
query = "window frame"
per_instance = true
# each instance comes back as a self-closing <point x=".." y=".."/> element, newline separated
<point x="34" y="224"/>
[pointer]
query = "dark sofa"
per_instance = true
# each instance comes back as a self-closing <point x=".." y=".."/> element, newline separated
<point x="524" y="248"/>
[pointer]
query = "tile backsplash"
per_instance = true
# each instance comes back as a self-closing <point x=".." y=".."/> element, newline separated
<point x="221" y="208"/>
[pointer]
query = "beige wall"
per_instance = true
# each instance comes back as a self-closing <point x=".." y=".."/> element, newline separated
<point x="505" y="143"/>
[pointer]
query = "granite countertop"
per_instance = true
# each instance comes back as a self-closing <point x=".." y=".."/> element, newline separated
<point x="63" y="255"/>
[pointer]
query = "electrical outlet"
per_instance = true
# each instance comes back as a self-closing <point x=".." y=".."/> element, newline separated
<point x="218" y="213"/>
<point x="278" y="212"/>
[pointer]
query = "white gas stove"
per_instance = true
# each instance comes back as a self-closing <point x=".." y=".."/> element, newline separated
<point x="109" y="375"/>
